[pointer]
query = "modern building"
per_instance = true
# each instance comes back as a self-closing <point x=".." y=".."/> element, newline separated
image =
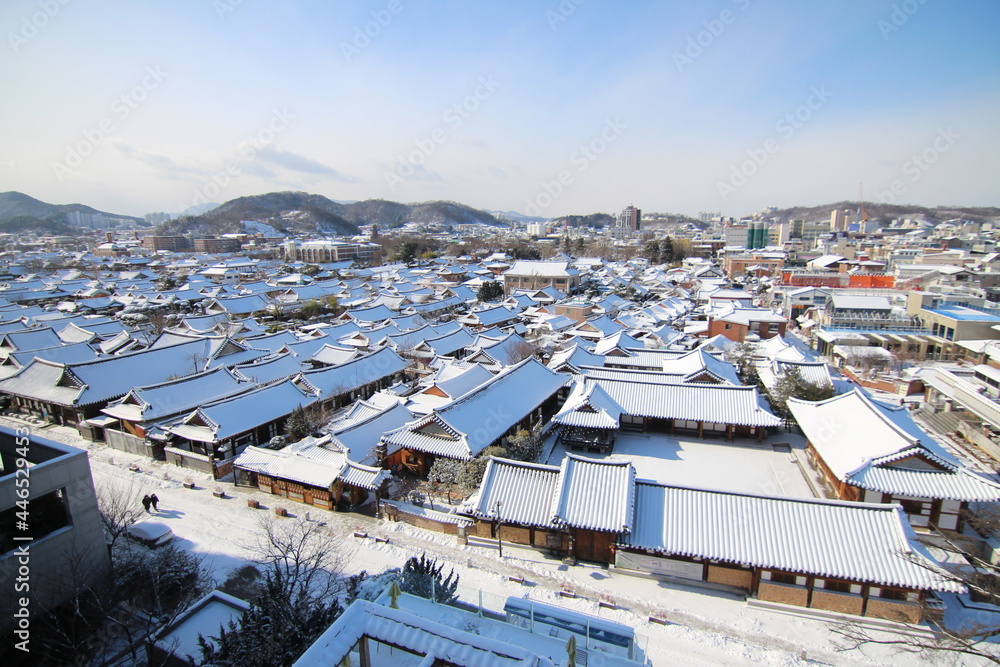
<point x="327" y="251"/>
<point x="56" y="535"/>
<point x="535" y="275"/>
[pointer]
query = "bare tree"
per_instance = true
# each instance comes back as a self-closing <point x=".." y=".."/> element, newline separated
<point x="120" y="505"/>
<point x="520" y="350"/>
<point x="978" y="632"/>
<point x="302" y="556"/>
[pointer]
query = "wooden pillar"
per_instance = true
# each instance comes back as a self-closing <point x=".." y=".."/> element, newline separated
<point x="701" y="429"/>
<point x="729" y="432"/>
<point x="364" y="654"/>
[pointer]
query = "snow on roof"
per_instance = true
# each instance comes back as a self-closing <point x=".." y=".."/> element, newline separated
<point x="175" y="397"/>
<point x="523" y="267"/>
<point x="589" y="406"/>
<point x="356" y="373"/>
<point x="333" y="355"/>
<point x="855" y="541"/>
<point x="243" y="412"/>
<point x="204" y="617"/>
<point x="595" y="494"/>
<point x="463" y="428"/>
<point x="867" y="444"/>
<point x="103" y="379"/>
<point x="434" y="642"/>
<point x="270" y="368"/>
<point x="854" y="302"/>
<point x="712" y="403"/>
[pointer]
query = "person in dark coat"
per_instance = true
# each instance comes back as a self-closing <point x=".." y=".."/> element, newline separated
<point x="146" y="502"/>
<point x="153" y="499"/>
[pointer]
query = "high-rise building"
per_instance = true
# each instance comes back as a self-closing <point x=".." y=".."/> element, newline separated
<point x="630" y="219"/>
<point x="840" y="219"/>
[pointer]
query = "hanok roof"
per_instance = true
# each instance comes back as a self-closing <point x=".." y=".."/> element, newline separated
<point x="836" y="539"/>
<point x="100" y="380"/>
<point x="595" y="494"/>
<point x="539" y="268"/>
<point x="315" y="462"/>
<point x="873" y="446"/>
<point x="356" y="373"/>
<point x="175" y="397"/>
<point x="589" y="406"/>
<point x="269" y="369"/>
<point x="712" y="403"/>
<point x="463" y="428"/>
<point x="231" y="416"/>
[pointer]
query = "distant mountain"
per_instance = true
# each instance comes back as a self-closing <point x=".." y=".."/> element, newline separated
<point x="886" y="213"/>
<point x="302" y="212"/>
<point x="598" y="220"/>
<point x="197" y="209"/>
<point x="517" y="217"/>
<point x="28" y="223"/>
<point x="17" y="205"/>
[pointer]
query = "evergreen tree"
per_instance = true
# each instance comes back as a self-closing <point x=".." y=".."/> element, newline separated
<point x="653" y="252"/>
<point x="667" y="254"/>
<point x="790" y="384"/>
<point x="274" y="631"/>
<point x="297" y="426"/>
<point x="422" y="576"/>
<point x="490" y="291"/>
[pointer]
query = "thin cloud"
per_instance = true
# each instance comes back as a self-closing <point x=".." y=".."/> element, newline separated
<point x="301" y="164"/>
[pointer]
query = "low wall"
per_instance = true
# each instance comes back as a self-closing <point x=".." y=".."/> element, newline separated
<point x="730" y="576"/>
<point x="894" y="610"/>
<point x="783" y="593"/>
<point x="844" y="603"/>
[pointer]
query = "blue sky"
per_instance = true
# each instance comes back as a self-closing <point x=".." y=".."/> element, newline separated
<point x="554" y="107"/>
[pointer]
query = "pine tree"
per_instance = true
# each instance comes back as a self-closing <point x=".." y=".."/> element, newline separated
<point x="422" y="577"/>
<point x="274" y="631"/>
<point x="490" y="291"/>
<point x="297" y="425"/>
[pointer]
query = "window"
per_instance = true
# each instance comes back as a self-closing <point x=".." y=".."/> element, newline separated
<point x="49" y="513"/>
<point x="784" y="578"/>
<point x="728" y="326"/>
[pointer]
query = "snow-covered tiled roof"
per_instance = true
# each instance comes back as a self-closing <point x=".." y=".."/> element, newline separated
<point x="463" y="428"/>
<point x="595" y="494"/>
<point x="713" y="403"/>
<point x="866" y="443"/>
<point x="837" y="539"/>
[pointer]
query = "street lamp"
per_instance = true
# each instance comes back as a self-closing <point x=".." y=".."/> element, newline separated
<point x="496" y="509"/>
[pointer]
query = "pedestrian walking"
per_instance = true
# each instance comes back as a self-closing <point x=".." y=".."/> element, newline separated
<point x="153" y="499"/>
<point x="146" y="502"/>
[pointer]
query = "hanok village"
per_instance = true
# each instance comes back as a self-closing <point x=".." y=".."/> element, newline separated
<point x="675" y="423"/>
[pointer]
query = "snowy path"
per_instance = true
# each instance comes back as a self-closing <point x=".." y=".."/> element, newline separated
<point x="707" y="628"/>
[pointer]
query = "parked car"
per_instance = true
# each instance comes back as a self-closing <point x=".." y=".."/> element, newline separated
<point x="151" y="533"/>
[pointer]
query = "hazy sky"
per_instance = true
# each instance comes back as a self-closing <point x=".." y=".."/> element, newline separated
<point x="549" y="107"/>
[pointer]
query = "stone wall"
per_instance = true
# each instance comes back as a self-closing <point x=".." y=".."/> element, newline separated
<point x="894" y="610"/>
<point x="730" y="576"/>
<point x="844" y="603"/>
<point x="783" y="593"/>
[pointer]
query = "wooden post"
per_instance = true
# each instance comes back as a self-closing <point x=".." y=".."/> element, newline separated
<point x="701" y="430"/>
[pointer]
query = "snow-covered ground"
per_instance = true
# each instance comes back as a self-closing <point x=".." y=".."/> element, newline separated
<point x="705" y="627"/>
<point x="742" y="466"/>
